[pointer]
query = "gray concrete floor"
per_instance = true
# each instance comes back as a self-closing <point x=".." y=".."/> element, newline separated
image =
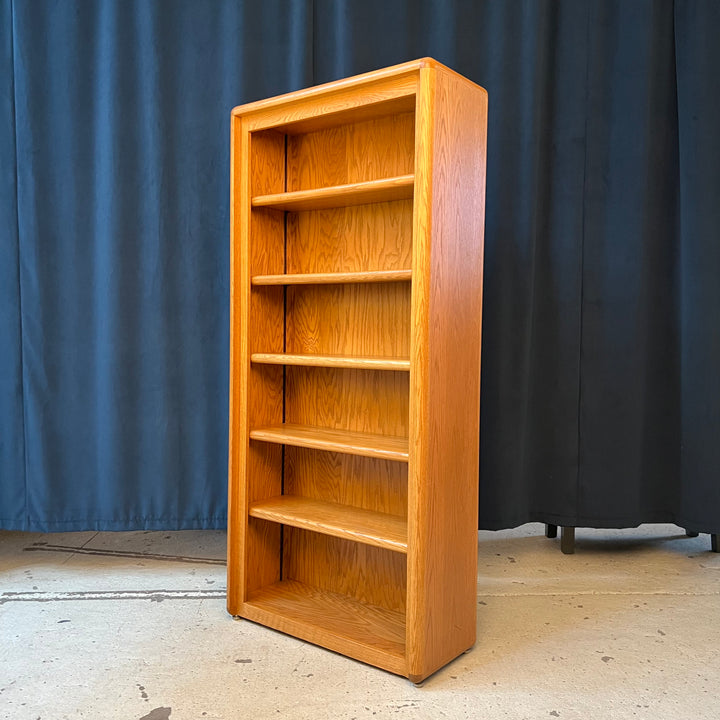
<point x="133" y="625"/>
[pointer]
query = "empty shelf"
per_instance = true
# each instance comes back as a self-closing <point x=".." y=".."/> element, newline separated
<point x="362" y="193"/>
<point x="365" y="526"/>
<point x="344" y="441"/>
<point x="333" y="361"/>
<point x="367" y="632"/>
<point x="367" y="276"/>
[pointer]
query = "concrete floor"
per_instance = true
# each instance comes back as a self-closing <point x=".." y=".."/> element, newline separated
<point x="133" y="625"/>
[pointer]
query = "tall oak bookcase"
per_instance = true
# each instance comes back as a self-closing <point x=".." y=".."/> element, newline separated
<point x="357" y="215"/>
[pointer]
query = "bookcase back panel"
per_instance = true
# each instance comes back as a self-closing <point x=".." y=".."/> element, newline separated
<point x="266" y="320"/>
<point x="262" y="557"/>
<point x="352" y="319"/>
<point x="378" y="148"/>
<point x="369" y="483"/>
<point x="368" y="574"/>
<point x="373" y="401"/>
<point x="376" y="236"/>
<point x="267" y="242"/>
<point x="267" y="162"/>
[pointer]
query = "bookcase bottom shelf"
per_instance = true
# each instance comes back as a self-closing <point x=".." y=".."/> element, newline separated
<point x="365" y="632"/>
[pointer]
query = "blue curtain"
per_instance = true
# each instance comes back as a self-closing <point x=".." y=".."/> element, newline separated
<point x="12" y="435"/>
<point x="601" y="348"/>
<point x="115" y="186"/>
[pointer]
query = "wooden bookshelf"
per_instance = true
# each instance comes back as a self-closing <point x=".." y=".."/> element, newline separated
<point x="357" y="220"/>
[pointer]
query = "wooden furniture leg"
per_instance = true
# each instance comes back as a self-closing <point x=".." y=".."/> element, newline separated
<point x="550" y="531"/>
<point x="714" y="542"/>
<point x="567" y="540"/>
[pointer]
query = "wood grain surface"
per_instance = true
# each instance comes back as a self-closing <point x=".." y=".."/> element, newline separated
<point x="362" y="193"/>
<point x="353" y="443"/>
<point x="361" y="320"/>
<point x="364" y="482"/>
<point x="313" y="110"/>
<point x="445" y="375"/>
<point x="370" y="276"/>
<point x="360" y="152"/>
<point x="333" y="361"/>
<point x="351" y="239"/>
<point x="368" y="633"/>
<point x="365" y="573"/>
<point x="366" y="401"/>
<point x="345" y="521"/>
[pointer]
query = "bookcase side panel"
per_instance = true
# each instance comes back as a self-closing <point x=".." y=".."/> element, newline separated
<point x="239" y="292"/>
<point x="447" y="306"/>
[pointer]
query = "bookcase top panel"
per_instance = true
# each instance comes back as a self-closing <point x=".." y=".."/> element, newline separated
<point x="373" y="94"/>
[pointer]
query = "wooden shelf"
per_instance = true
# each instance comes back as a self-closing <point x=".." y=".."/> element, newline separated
<point x="364" y="526"/>
<point x="360" y="193"/>
<point x="369" y="276"/>
<point x="363" y="631"/>
<point x="344" y="441"/>
<point x="333" y="361"/>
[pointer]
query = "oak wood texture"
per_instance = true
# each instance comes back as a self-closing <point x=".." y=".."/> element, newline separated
<point x="370" y="483"/>
<point x="369" y="574"/>
<point x="448" y="232"/>
<point x="362" y="193"/>
<point x="356" y="288"/>
<point x="364" y="401"/>
<point x="333" y="278"/>
<point x="369" y="633"/>
<point x="349" y="319"/>
<point x="351" y="523"/>
<point x="353" y="443"/>
<point x="333" y="361"/>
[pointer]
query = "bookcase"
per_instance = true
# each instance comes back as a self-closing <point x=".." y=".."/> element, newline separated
<point x="357" y="216"/>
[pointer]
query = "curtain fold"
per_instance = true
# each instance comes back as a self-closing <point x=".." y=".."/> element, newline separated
<point x="12" y="428"/>
<point x="600" y="390"/>
<point x="697" y="57"/>
<point x="630" y="383"/>
<point x="123" y="115"/>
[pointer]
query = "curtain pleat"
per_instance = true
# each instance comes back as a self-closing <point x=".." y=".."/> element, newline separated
<point x="697" y="53"/>
<point x="123" y="115"/>
<point x="12" y="429"/>
<point x="630" y="383"/>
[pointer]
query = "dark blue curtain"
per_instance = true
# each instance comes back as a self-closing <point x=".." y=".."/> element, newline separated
<point x="601" y="390"/>
<point x="114" y="313"/>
